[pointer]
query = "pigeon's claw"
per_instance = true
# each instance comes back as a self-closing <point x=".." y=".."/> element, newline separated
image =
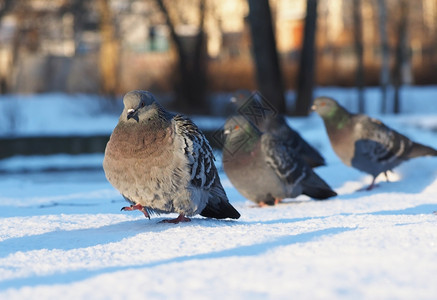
<point x="180" y="218"/>
<point x="137" y="207"/>
<point x="370" y="187"/>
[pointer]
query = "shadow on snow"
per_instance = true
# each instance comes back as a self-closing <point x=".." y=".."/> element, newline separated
<point x="249" y="250"/>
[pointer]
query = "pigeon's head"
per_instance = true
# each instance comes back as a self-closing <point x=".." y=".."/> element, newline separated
<point x="239" y="127"/>
<point x="236" y="101"/>
<point x="240" y="97"/>
<point x="325" y="106"/>
<point x="139" y="105"/>
<point x="240" y="135"/>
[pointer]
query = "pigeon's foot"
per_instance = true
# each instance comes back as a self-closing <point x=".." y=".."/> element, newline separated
<point x="180" y="218"/>
<point x="370" y="187"/>
<point x="137" y="207"/>
<point x="269" y="202"/>
<point x="386" y="176"/>
<point x="278" y="200"/>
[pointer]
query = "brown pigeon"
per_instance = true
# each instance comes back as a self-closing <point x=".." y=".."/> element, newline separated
<point x="162" y="163"/>
<point x="366" y="143"/>
<point x="264" y="169"/>
<point x="250" y="105"/>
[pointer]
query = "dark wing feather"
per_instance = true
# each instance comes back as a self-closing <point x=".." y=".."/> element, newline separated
<point x="282" y="159"/>
<point x="203" y="171"/>
<point x="278" y="127"/>
<point x="293" y="170"/>
<point x="199" y="152"/>
<point x="379" y="143"/>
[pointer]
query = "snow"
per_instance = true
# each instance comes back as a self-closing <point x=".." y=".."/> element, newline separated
<point x="56" y="114"/>
<point x="62" y="114"/>
<point x="62" y="234"/>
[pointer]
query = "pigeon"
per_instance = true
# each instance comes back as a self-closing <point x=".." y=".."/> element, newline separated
<point x="264" y="168"/>
<point x="248" y="104"/>
<point x="162" y="163"/>
<point x="365" y="143"/>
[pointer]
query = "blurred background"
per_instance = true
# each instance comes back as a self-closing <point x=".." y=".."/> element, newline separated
<point x="65" y="64"/>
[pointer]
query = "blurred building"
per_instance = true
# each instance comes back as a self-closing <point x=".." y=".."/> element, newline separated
<point x="53" y="45"/>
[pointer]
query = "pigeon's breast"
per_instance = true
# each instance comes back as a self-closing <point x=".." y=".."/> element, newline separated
<point x="252" y="177"/>
<point x="342" y="142"/>
<point x="145" y="167"/>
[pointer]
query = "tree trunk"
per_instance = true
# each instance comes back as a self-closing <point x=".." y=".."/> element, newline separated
<point x="402" y="64"/>
<point x="268" y="72"/>
<point x="5" y="8"/>
<point x="109" y="50"/>
<point x="78" y="10"/>
<point x="191" y="83"/>
<point x="305" y="80"/>
<point x="4" y="87"/>
<point x="384" y="77"/>
<point x="358" y="35"/>
<point x="198" y="58"/>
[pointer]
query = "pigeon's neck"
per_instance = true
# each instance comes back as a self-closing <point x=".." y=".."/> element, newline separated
<point x="242" y="143"/>
<point x="337" y="119"/>
<point x="157" y="118"/>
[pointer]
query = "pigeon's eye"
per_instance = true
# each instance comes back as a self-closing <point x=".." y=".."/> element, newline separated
<point x="322" y="104"/>
<point x="236" y="127"/>
<point x="142" y="104"/>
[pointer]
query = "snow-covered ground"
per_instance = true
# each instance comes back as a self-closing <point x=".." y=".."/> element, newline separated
<point x="62" y="235"/>
<point x="62" y="114"/>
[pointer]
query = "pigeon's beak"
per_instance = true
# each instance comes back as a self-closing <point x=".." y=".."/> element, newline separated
<point x="313" y="107"/>
<point x="227" y="131"/>
<point x="132" y="114"/>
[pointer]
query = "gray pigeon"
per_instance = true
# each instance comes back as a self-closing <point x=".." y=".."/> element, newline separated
<point x="162" y="163"/>
<point x="264" y="169"/>
<point x="365" y="143"/>
<point x="276" y="125"/>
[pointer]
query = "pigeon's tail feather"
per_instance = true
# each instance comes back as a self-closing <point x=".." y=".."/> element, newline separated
<point x="221" y="210"/>
<point x="218" y="206"/>
<point x="313" y="158"/>
<point x="319" y="193"/>
<point x="421" y="150"/>
<point x="316" y="188"/>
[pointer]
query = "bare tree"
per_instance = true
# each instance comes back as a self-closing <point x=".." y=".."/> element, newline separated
<point x="305" y="79"/>
<point x="268" y="72"/>
<point x="384" y="77"/>
<point x="359" y="50"/>
<point x="191" y="82"/>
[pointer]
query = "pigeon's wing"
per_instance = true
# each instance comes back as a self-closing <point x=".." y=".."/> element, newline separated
<point x="202" y="169"/>
<point x="291" y="169"/>
<point x="279" y="127"/>
<point x="379" y="143"/>
<point x="282" y="159"/>
<point x="198" y="152"/>
<point x="308" y="153"/>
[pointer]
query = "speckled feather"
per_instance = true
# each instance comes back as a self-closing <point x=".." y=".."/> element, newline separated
<point x="366" y="143"/>
<point x="263" y="167"/>
<point x="278" y="126"/>
<point x="164" y="162"/>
